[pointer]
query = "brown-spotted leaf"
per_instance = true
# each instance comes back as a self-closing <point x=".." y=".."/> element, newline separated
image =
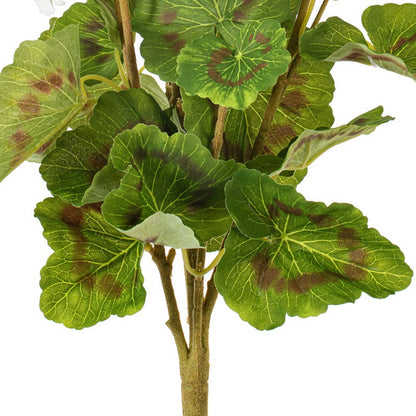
<point x="94" y="271"/>
<point x="39" y="96"/>
<point x="289" y="256"/>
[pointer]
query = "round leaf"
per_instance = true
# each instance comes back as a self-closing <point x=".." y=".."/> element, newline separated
<point x="232" y="75"/>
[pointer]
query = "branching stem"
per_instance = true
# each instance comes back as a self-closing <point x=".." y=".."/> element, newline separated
<point x="164" y="264"/>
<point x="123" y="15"/>
<point x="320" y="13"/>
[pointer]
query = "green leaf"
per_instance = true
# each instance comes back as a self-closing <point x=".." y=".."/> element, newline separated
<point x="40" y="95"/>
<point x="270" y="164"/>
<point x="97" y="50"/>
<point x="231" y="75"/>
<point x="391" y="28"/>
<point x="69" y="170"/>
<point x="305" y="105"/>
<point x="200" y="117"/>
<point x="291" y="256"/>
<point x="173" y="190"/>
<point x="166" y="27"/>
<point x="312" y="143"/>
<point x="94" y="271"/>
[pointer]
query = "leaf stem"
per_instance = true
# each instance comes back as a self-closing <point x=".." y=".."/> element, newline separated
<point x="320" y="13"/>
<point x="164" y="264"/>
<point x="197" y="272"/>
<point x="123" y="15"/>
<point x="120" y="68"/>
<point x="217" y="141"/>
<point x="99" y="78"/>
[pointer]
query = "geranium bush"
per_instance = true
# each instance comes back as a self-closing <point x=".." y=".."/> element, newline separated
<point x="251" y="114"/>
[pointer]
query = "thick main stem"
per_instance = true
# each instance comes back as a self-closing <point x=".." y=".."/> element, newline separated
<point x="195" y="370"/>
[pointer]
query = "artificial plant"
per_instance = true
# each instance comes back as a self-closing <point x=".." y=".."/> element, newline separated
<point x="211" y="164"/>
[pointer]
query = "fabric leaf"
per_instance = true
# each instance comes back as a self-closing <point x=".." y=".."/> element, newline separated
<point x="70" y="168"/>
<point x="166" y="27"/>
<point x="312" y="143"/>
<point x="94" y="271"/>
<point x="97" y="50"/>
<point x="40" y="95"/>
<point x="291" y="256"/>
<point x="305" y="105"/>
<point x="170" y="175"/>
<point x="390" y="27"/>
<point x="231" y="75"/>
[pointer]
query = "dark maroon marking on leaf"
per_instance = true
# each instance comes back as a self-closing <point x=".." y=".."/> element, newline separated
<point x="81" y="267"/>
<point x="200" y="199"/>
<point x="176" y="44"/>
<point x="151" y="239"/>
<point x="401" y="42"/>
<point x="90" y="47"/>
<point x="348" y="238"/>
<point x="194" y="172"/>
<point x="139" y="186"/>
<point x="108" y="286"/>
<point x="267" y="49"/>
<point x="388" y="59"/>
<point x="273" y="211"/>
<point x="356" y="55"/>
<point x="130" y="124"/>
<point x="71" y="78"/>
<point x="21" y="139"/>
<point x="361" y="121"/>
<point x="304" y="283"/>
<point x="260" y="38"/>
<point x="251" y="37"/>
<point x="103" y="58"/>
<point x="41" y="86"/>
<point x="42" y="149"/>
<point x="29" y="104"/>
<point x="294" y="101"/>
<point x="218" y="57"/>
<point x="358" y="256"/>
<point x="55" y="80"/>
<point x="240" y="13"/>
<point x="297" y="79"/>
<point x="321" y="220"/>
<point x="93" y="26"/>
<point x="355" y="272"/>
<point x="97" y="161"/>
<point x="168" y="17"/>
<point x="266" y="274"/>
<point x="287" y="209"/>
<point x="140" y="155"/>
<point x="133" y="217"/>
<point x="72" y="216"/>
<point x="161" y="155"/>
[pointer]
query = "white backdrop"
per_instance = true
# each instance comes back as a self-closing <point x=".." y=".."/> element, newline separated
<point x="354" y="360"/>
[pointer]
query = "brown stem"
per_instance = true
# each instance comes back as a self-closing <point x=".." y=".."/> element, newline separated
<point x="217" y="141"/>
<point x="164" y="264"/>
<point x="320" y="13"/>
<point x="129" y="54"/>
<point x="279" y="88"/>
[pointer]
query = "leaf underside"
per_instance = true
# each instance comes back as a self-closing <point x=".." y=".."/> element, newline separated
<point x="40" y="95"/>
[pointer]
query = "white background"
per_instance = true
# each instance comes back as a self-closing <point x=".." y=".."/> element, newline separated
<point x="354" y="360"/>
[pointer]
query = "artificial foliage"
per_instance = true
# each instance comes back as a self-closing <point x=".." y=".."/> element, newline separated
<point x="210" y="163"/>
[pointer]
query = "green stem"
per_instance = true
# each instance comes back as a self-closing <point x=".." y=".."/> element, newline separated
<point x="99" y="78"/>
